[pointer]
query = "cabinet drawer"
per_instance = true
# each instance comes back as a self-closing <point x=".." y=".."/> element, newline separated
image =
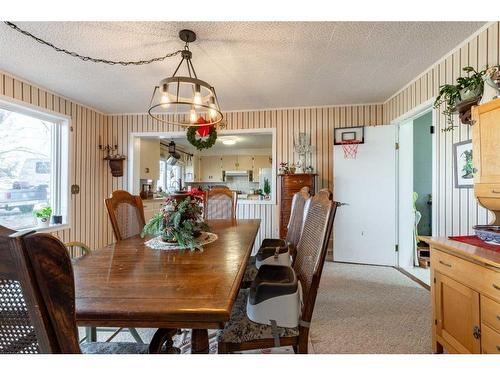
<point x="297" y="181"/>
<point x="478" y="278"/>
<point x="490" y="312"/>
<point x="490" y="340"/>
<point x="487" y="190"/>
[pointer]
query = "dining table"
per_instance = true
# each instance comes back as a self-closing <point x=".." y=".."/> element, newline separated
<point x="128" y="284"/>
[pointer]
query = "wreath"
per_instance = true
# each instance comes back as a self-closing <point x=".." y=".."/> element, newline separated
<point x="202" y="136"/>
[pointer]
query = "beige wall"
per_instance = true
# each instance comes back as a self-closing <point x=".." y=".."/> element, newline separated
<point x="458" y="208"/>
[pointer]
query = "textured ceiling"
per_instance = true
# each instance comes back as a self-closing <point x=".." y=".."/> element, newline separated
<point x="251" y="64"/>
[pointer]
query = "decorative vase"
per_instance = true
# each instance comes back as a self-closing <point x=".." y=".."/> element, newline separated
<point x="491" y="90"/>
<point x="42" y="222"/>
<point x="292" y="170"/>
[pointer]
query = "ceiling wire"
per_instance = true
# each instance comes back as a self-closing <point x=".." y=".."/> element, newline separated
<point x="88" y="58"/>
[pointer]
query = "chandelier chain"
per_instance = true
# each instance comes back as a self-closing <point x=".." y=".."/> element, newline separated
<point x="88" y="58"/>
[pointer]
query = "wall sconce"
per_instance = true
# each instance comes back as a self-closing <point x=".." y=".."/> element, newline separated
<point x="115" y="161"/>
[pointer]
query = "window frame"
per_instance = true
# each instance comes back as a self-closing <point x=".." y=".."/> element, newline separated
<point x="61" y="157"/>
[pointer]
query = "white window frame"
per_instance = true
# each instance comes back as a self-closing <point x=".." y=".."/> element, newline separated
<point x="60" y="158"/>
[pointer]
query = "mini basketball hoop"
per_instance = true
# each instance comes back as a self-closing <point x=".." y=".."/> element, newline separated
<point x="350" y="147"/>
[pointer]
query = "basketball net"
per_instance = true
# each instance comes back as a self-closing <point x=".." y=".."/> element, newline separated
<point x="350" y="148"/>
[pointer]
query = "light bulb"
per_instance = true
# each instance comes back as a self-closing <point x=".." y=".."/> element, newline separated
<point x="197" y="98"/>
<point x="164" y="101"/>
<point x="197" y="95"/>
<point x="192" y="115"/>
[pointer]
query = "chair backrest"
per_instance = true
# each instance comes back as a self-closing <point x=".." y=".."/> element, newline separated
<point x="17" y="334"/>
<point x="126" y="213"/>
<point x="220" y="203"/>
<point x="37" y="296"/>
<point x="312" y="247"/>
<point x="296" y="221"/>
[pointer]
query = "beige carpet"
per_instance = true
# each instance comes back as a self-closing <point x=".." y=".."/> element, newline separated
<point x="359" y="309"/>
<point x="370" y="309"/>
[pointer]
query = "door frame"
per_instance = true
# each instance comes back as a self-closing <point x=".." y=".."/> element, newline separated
<point x="425" y="107"/>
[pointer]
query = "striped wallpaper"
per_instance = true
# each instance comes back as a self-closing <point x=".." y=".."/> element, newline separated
<point x="89" y="223"/>
<point x="458" y="208"/>
<point x="318" y="122"/>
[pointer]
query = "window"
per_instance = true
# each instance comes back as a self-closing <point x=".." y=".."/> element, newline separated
<point x="33" y="166"/>
<point x="170" y="176"/>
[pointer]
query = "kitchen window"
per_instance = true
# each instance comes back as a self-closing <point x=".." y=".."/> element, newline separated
<point x="34" y="149"/>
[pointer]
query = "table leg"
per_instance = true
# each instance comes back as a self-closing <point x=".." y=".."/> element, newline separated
<point x="199" y="341"/>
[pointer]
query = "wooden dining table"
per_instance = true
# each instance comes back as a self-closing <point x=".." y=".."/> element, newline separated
<point x="128" y="284"/>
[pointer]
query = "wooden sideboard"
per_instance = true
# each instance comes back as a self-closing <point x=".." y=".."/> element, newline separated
<point x="465" y="290"/>
<point x="289" y="184"/>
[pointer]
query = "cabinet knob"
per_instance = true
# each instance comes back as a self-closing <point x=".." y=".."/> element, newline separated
<point x="476" y="332"/>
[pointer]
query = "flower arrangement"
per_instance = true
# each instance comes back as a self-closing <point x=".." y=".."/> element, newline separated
<point x="180" y="221"/>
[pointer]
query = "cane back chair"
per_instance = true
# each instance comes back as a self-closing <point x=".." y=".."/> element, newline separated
<point x="242" y="334"/>
<point x="220" y="203"/>
<point x="38" y="300"/>
<point x="126" y="213"/>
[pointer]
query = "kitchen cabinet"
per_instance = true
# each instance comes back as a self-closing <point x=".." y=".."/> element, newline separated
<point x="237" y="162"/>
<point x="485" y="141"/>
<point x="289" y="185"/>
<point x="210" y="169"/>
<point x="151" y="207"/>
<point x="244" y="163"/>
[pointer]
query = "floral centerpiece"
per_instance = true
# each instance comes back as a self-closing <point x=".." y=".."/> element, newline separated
<point x="179" y="221"/>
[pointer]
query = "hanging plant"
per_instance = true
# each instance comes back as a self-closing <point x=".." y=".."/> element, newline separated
<point x="202" y="136"/>
<point x="460" y="98"/>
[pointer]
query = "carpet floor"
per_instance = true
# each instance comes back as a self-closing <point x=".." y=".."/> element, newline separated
<point x="359" y="309"/>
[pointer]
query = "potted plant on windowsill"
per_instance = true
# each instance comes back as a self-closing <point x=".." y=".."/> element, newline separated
<point x="43" y="217"/>
<point x="460" y="98"/>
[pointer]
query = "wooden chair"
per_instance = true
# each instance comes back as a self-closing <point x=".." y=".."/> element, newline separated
<point x="126" y="213"/>
<point x="37" y="299"/>
<point x="242" y="334"/>
<point x="220" y="203"/>
<point x="78" y="249"/>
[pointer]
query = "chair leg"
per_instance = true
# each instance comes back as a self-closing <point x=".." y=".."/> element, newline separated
<point x="135" y="335"/>
<point x="91" y="334"/>
<point x="303" y="345"/>
<point x="295" y="349"/>
<point x="222" y="348"/>
<point x="163" y="336"/>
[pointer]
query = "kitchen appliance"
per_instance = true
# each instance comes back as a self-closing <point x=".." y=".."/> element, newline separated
<point x="146" y="189"/>
<point x="243" y="173"/>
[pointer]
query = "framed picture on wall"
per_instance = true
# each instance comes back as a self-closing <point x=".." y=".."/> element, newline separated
<point x="464" y="170"/>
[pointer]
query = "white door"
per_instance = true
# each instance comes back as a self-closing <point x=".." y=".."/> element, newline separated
<point x="364" y="230"/>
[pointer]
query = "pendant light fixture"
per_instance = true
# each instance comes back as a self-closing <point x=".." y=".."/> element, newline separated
<point x="182" y="99"/>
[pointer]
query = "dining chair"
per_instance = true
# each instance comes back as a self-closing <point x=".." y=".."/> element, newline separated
<point x="295" y="224"/>
<point x="78" y="249"/>
<point x="126" y="213"/>
<point x="220" y="203"/>
<point x="37" y="299"/>
<point x="240" y="333"/>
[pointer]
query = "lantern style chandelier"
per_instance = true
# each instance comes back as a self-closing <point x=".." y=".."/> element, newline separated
<point x="185" y="100"/>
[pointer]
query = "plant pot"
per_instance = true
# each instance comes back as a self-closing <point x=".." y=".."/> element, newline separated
<point x="42" y="222"/>
<point x="466" y="93"/>
<point x="464" y="109"/>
